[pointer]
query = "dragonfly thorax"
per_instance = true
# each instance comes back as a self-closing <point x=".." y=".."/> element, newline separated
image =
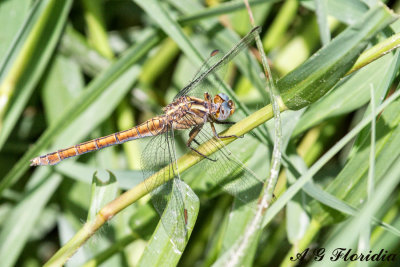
<point x="179" y="107"/>
<point x="223" y="107"/>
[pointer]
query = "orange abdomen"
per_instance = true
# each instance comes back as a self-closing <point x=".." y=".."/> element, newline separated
<point x="152" y="127"/>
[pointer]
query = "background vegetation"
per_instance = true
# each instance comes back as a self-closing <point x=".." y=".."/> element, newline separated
<point x="75" y="70"/>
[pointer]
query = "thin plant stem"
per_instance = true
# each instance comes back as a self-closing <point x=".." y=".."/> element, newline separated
<point x="375" y="52"/>
<point x="266" y="195"/>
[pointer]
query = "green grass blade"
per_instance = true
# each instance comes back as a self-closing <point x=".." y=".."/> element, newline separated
<point x="322" y="17"/>
<point x="26" y="62"/>
<point x="221" y="9"/>
<point x="19" y="224"/>
<point x="347" y="11"/>
<point x="315" y="77"/>
<point x="353" y="93"/>
<point x="280" y="24"/>
<point x="95" y="26"/>
<point x="14" y="23"/>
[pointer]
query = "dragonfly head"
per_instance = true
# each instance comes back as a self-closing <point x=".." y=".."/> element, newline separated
<point x="224" y="107"/>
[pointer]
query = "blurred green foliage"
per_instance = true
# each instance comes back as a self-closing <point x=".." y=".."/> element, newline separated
<point x="76" y="70"/>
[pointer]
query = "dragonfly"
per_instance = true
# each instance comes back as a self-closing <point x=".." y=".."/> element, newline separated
<point x="196" y="111"/>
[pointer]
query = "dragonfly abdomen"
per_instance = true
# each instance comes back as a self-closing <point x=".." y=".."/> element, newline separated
<point x="152" y="127"/>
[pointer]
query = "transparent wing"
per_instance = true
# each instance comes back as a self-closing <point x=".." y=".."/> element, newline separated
<point x="167" y="199"/>
<point x="227" y="170"/>
<point x="207" y="75"/>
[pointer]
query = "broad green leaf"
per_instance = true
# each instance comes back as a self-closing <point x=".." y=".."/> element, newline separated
<point x="353" y="92"/>
<point x="160" y="251"/>
<point x="315" y="77"/>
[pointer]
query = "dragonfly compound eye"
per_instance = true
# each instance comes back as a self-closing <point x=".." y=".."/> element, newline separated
<point x="224" y="111"/>
<point x="220" y="98"/>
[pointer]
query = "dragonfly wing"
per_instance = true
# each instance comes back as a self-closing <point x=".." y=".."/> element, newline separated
<point x="167" y="199"/>
<point x="227" y="171"/>
<point x="215" y="63"/>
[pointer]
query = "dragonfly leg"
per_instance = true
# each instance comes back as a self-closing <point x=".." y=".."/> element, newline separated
<point x="194" y="140"/>
<point x="220" y="136"/>
<point x="192" y="135"/>
<point x="225" y="122"/>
